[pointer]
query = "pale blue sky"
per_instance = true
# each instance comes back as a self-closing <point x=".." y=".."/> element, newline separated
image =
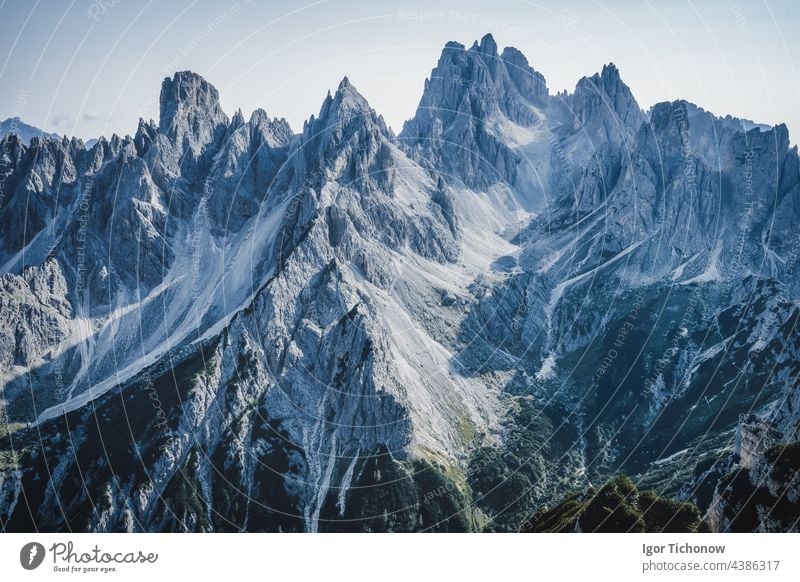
<point x="94" y="67"/>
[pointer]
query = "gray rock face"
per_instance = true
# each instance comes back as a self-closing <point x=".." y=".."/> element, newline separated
<point x="330" y="215"/>
<point x="460" y="125"/>
<point x="760" y="493"/>
<point x="245" y="168"/>
<point x="190" y="114"/>
<point x="245" y="328"/>
<point x="36" y="314"/>
<point x="753" y="438"/>
<point x="604" y="108"/>
<point x="38" y="184"/>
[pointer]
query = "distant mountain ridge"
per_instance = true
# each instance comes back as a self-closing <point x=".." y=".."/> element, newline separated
<point x="23" y="130"/>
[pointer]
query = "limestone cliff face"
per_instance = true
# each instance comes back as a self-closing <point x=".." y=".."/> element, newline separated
<point x="470" y="101"/>
<point x="191" y="116"/>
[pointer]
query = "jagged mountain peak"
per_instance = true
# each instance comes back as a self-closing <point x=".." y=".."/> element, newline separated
<point x="187" y="92"/>
<point x="274" y="131"/>
<point x="514" y="56"/>
<point x="258" y="116"/>
<point x="145" y="133"/>
<point x="694" y="113"/>
<point x="345" y="107"/>
<point x="237" y="120"/>
<point x="348" y="100"/>
<point x="487" y="46"/>
<point x="474" y="106"/>
<point x="11" y="146"/>
<point x="190" y="113"/>
<point x="604" y="108"/>
<point x="347" y="138"/>
<point x="608" y="79"/>
<point x="610" y="70"/>
<point x="454" y="45"/>
<point x="481" y="65"/>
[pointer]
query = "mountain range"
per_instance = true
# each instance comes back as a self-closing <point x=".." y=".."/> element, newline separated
<point x="479" y="324"/>
<point x="23" y="130"/>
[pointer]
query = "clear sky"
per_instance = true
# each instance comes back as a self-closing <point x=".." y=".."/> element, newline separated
<point x="93" y="67"/>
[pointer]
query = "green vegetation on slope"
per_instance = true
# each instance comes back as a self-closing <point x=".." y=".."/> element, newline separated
<point x="617" y="507"/>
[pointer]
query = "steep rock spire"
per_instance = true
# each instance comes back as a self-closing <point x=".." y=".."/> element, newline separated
<point x="468" y="102"/>
<point x="348" y="138"/>
<point x="190" y="113"/>
<point x="604" y="107"/>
